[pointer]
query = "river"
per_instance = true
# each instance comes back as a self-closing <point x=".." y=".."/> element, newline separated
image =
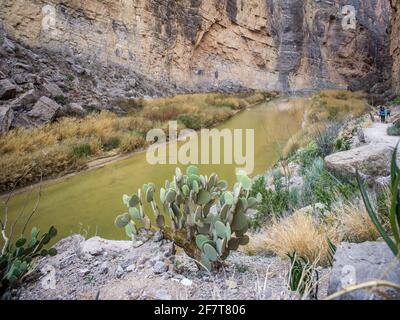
<point x="88" y="202"/>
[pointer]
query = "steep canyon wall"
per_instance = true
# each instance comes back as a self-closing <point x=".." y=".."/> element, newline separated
<point x="261" y="44"/>
<point x="395" y="44"/>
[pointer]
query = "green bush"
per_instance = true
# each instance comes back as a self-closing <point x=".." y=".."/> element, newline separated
<point x="396" y="101"/>
<point x="61" y="100"/>
<point x="274" y="203"/>
<point x="190" y="121"/>
<point x="82" y="150"/>
<point x="306" y="156"/>
<point x="342" y="145"/>
<point x="394" y="130"/>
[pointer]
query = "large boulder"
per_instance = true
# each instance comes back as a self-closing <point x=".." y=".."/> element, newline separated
<point x="360" y="263"/>
<point x="53" y="90"/>
<point x="6" y="118"/>
<point x="372" y="160"/>
<point x="25" y="101"/>
<point x="7" y="90"/>
<point x="44" y="111"/>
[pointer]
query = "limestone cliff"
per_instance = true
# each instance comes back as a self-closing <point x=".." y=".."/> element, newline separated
<point x="395" y="44"/>
<point x="203" y="44"/>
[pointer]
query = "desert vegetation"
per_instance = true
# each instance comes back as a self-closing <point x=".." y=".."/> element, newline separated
<point x="305" y="209"/>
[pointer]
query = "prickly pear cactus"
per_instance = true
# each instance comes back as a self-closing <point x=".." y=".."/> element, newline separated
<point x="206" y="219"/>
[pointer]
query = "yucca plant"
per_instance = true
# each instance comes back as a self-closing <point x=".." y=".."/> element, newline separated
<point x="394" y="215"/>
<point x="301" y="276"/>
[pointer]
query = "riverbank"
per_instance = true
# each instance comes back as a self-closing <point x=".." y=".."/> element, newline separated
<point x="72" y="144"/>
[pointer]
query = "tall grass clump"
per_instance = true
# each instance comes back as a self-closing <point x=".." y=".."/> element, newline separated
<point x="301" y="234"/>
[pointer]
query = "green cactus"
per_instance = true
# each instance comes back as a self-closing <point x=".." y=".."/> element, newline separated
<point x="207" y="221"/>
<point x="17" y="260"/>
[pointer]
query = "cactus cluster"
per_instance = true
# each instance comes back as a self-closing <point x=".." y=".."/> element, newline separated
<point x="16" y="260"/>
<point x="206" y="219"/>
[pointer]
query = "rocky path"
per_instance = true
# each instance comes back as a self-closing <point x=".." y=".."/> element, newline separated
<point x="377" y="133"/>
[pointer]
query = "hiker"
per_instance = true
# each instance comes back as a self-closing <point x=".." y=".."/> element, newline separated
<point x="382" y="114"/>
<point x="388" y="113"/>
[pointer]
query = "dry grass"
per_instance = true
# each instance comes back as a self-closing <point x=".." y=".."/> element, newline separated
<point x="69" y="144"/>
<point x="306" y="235"/>
<point x="354" y="223"/>
<point x="300" y="233"/>
<point x="337" y="105"/>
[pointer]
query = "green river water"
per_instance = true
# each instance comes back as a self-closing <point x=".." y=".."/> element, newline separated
<point x="88" y="202"/>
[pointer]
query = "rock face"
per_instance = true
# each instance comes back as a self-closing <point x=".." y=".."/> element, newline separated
<point x="359" y="263"/>
<point x="7" y="90"/>
<point x="395" y="44"/>
<point x="261" y="44"/>
<point x="6" y="118"/>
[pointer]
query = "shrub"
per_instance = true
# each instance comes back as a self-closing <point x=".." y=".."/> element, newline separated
<point x="306" y="156"/>
<point x="70" y="78"/>
<point x="326" y="139"/>
<point x="190" y="121"/>
<point x="82" y="150"/>
<point x="61" y="100"/>
<point x="273" y="202"/>
<point x="394" y="130"/>
<point x="342" y="145"/>
<point x="206" y="237"/>
<point x="396" y="101"/>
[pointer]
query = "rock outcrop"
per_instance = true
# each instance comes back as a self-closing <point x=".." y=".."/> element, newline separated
<point x="275" y="44"/>
<point x="395" y="44"/>
<point x="372" y="160"/>
<point x="44" y="111"/>
<point x="360" y="263"/>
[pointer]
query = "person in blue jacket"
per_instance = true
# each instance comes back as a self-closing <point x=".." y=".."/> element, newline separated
<point x="382" y="114"/>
